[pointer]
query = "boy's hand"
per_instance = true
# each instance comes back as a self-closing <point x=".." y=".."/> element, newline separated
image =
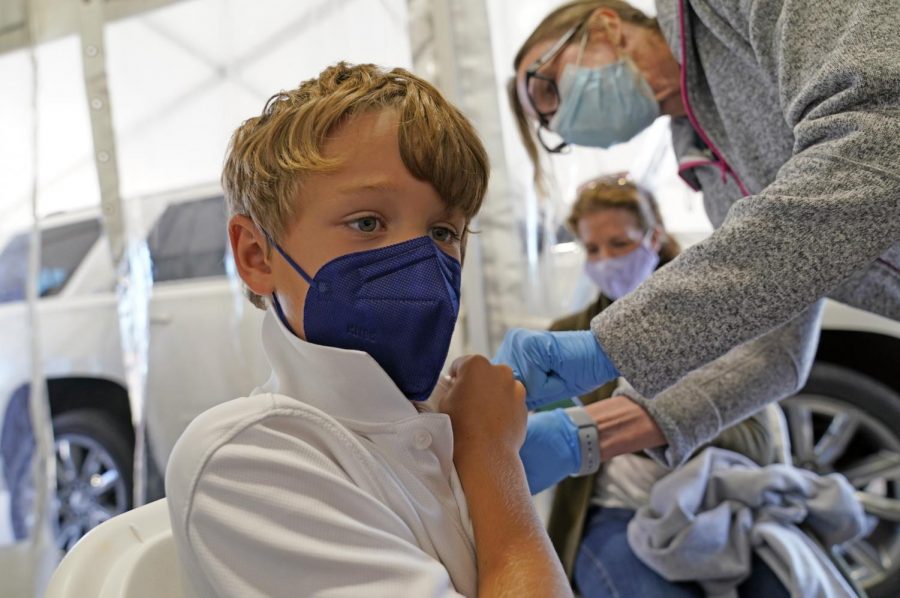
<point x="486" y="405"/>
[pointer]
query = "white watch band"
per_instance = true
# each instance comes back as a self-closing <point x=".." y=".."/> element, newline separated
<point x="588" y="438"/>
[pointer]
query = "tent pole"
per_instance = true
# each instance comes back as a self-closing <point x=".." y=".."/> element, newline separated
<point x="451" y="44"/>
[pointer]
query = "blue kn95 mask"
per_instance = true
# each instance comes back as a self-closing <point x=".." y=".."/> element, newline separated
<point x="398" y="304"/>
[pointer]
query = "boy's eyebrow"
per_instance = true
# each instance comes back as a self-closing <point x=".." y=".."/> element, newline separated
<point x="370" y="185"/>
<point x="382" y="185"/>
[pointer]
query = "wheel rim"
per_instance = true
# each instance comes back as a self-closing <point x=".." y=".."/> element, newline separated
<point x="829" y="435"/>
<point x="90" y="487"/>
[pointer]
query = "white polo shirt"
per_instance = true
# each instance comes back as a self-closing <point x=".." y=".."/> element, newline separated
<point x="326" y="481"/>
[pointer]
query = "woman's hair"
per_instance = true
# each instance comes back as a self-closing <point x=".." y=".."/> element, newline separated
<point x="550" y="29"/>
<point x="269" y="155"/>
<point x="617" y="192"/>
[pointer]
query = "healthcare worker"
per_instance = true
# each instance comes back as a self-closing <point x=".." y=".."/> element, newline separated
<point x="624" y="241"/>
<point x="786" y="113"/>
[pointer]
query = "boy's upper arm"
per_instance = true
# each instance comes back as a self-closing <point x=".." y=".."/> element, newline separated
<point x="272" y="515"/>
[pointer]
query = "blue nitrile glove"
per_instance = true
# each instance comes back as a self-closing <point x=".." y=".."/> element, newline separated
<point x="551" y="451"/>
<point x="555" y="365"/>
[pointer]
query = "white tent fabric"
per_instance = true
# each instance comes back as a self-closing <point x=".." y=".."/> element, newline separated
<point x="181" y="77"/>
<point x="26" y="566"/>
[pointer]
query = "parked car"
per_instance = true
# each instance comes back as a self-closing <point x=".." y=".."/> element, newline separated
<point x="203" y="349"/>
<point x="847" y="420"/>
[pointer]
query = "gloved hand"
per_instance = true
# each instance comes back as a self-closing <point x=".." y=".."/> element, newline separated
<point x="555" y="365"/>
<point x="551" y="451"/>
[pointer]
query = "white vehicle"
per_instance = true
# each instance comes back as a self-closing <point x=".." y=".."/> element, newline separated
<point x="204" y="348"/>
<point x="847" y="420"/>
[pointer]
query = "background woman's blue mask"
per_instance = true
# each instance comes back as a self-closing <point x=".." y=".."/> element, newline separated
<point x="603" y="106"/>
<point x="398" y="304"/>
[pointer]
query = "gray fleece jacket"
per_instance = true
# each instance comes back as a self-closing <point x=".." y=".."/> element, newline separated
<point x="795" y="107"/>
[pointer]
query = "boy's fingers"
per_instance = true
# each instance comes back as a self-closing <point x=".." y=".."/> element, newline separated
<point x="457" y="364"/>
<point x="519" y="392"/>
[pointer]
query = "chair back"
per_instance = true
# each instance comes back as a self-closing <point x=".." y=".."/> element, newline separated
<point x="132" y="554"/>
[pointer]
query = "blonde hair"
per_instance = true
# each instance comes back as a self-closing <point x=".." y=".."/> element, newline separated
<point x="270" y="154"/>
<point x="554" y="25"/>
<point x="617" y="192"/>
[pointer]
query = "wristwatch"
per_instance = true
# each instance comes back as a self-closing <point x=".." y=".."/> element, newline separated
<point x="588" y="438"/>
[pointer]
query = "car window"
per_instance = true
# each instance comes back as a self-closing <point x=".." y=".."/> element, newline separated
<point x="189" y="240"/>
<point x="62" y="249"/>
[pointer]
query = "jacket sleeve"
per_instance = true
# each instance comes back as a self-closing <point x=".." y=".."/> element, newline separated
<point x="833" y="208"/>
<point x="271" y="515"/>
<point x="731" y="388"/>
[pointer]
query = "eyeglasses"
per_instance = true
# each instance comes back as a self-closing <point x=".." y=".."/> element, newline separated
<point x="542" y="92"/>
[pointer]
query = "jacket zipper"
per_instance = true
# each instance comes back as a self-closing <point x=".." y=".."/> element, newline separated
<point x="722" y="163"/>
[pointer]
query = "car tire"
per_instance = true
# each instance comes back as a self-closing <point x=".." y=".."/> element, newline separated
<point x="85" y="426"/>
<point x="877" y="408"/>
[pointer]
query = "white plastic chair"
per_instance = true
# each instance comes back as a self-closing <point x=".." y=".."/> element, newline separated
<point x="130" y="555"/>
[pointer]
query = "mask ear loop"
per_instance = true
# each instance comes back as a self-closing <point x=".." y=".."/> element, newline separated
<point x="623" y="58"/>
<point x="280" y="313"/>
<point x="290" y="260"/>
<point x="583" y="44"/>
<point x="275" y="303"/>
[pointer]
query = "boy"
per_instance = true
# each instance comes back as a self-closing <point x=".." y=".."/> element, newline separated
<point x="350" y="198"/>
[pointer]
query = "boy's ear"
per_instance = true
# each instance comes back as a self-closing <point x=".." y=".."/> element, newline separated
<point x="250" y="250"/>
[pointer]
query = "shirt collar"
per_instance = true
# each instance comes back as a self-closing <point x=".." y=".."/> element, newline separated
<point x="345" y="384"/>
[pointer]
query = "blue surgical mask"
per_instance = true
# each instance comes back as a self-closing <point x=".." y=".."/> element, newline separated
<point x="618" y="276"/>
<point x="398" y="304"/>
<point x="603" y="106"/>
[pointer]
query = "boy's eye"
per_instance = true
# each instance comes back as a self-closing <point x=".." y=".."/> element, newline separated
<point x="366" y="224"/>
<point x="442" y="234"/>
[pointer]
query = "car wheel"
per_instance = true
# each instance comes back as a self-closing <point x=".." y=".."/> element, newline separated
<point x="843" y="421"/>
<point x="93" y="476"/>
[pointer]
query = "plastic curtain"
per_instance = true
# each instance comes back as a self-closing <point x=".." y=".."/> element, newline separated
<point x="27" y="507"/>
